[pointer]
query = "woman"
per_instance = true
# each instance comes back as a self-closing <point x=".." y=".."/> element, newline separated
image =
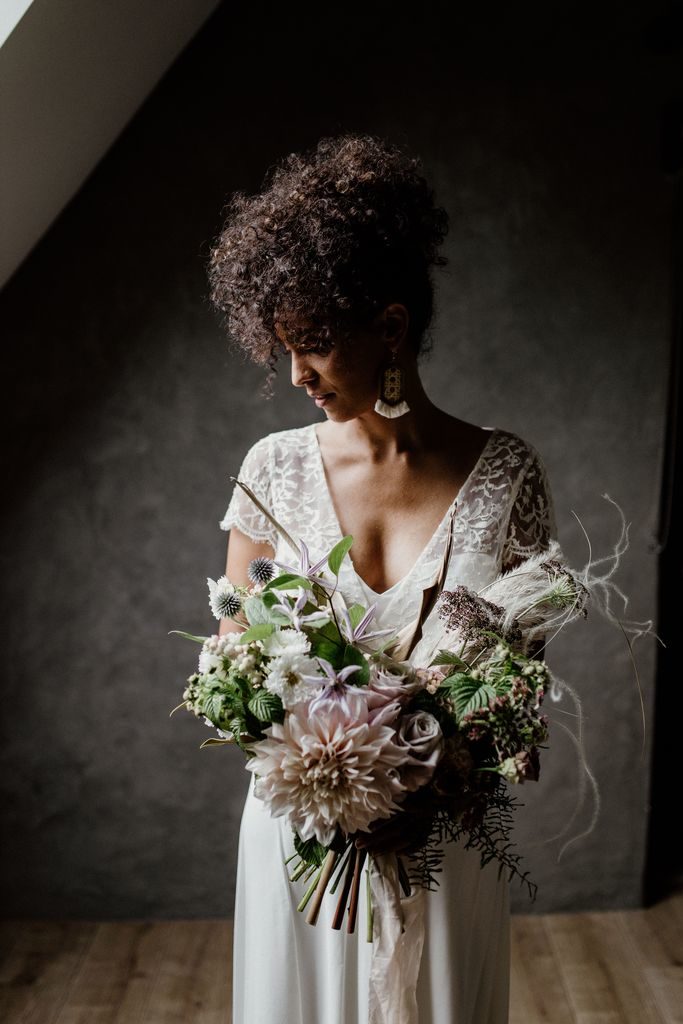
<point x="330" y="265"/>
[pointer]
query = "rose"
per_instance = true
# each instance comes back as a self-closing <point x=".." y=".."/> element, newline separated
<point x="386" y="693"/>
<point x="420" y="736"/>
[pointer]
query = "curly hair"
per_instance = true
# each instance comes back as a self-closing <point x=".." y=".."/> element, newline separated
<point x="336" y="233"/>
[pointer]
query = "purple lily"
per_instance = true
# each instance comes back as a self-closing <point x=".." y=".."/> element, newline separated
<point x="305" y="568"/>
<point x="293" y="612"/>
<point x="357" y="634"/>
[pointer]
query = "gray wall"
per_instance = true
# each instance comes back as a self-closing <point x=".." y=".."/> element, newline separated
<point x="126" y="414"/>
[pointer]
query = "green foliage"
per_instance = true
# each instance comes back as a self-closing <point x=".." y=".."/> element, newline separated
<point x="449" y="658"/>
<point x="258" y="632"/>
<point x="310" y="850"/>
<point x="352" y="656"/>
<point x="356" y="613"/>
<point x="338" y="553"/>
<point x="187" y="636"/>
<point x="327" y="642"/>
<point x="327" y="649"/>
<point x="469" y="694"/>
<point x="286" y="581"/>
<point x="256" y="612"/>
<point x="266" y="706"/>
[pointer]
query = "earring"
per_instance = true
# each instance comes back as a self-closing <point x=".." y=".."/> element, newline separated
<point x="391" y="402"/>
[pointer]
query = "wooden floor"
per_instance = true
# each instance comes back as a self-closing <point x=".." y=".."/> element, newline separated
<point x="610" y="968"/>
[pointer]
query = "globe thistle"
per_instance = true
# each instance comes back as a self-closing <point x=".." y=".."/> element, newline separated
<point x="261" y="569"/>
<point x="224" y="598"/>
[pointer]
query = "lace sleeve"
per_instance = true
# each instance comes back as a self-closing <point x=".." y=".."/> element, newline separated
<point x="532" y="524"/>
<point x="241" y="512"/>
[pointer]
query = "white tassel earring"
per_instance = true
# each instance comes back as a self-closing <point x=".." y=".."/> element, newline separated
<point x="391" y="402"/>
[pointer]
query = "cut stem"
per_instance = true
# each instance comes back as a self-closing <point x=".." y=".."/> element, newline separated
<point x="343" y="896"/>
<point x="309" y="892"/>
<point x="340" y="868"/>
<point x="355" y="891"/>
<point x="326" y="870"/>
<point x="368" y="894"/>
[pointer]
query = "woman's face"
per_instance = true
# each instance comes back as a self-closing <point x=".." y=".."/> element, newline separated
<point x="346" y="373"/>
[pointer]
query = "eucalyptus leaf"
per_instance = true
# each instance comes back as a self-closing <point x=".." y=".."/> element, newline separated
<point x="338" y="553"/>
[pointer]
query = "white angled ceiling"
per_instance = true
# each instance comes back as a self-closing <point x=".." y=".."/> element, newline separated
<point x="72" y="74"/>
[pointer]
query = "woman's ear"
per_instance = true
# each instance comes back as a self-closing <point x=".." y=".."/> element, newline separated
<point x="392" y="324"/>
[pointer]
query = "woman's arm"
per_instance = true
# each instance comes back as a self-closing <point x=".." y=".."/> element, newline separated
<point x="241" y="550"/>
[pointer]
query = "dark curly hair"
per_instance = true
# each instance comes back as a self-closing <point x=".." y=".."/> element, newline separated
<point x="337" y="232"/>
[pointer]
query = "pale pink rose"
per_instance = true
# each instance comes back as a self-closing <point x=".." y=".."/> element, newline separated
<point x="385" y="687"/>
<point x="420" y="735"/>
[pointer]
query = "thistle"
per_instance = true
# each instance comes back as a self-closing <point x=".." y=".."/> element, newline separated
<point x="224" y="598"/>
<point x="261" y="569"/>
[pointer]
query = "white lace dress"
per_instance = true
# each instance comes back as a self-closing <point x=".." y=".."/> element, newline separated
<point x="286" y="971"/>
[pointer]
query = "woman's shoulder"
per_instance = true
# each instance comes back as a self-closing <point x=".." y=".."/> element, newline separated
<point x="512" y="447"/>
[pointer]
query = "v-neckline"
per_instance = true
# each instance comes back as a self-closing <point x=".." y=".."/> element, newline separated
<point x="335" y="518"/>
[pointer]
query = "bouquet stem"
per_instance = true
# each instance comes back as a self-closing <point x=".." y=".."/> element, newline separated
<point x="340" y="868"/>
<point x="355" y="891"/>
<point x="368" y="894"/>
<point x="341" y="902"/>
<point x="322" y="879"/>
<point x="309" y="892"/>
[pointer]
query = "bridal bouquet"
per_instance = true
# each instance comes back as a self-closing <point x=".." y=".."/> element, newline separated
<point x="342" y="731"/>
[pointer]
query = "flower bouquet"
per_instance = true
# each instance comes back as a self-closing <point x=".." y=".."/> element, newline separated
<point x="346" y="726"/>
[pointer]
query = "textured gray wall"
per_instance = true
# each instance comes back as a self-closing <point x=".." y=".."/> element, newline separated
<point x="125" y="415"/>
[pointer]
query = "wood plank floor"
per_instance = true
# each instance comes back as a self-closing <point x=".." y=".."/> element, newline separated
<point x="622" y="967"/>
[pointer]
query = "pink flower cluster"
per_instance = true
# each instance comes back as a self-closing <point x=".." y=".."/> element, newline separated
<point x="347" y="757"/>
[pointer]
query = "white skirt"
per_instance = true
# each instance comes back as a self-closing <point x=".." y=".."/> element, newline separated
<point x="286" y="971"/>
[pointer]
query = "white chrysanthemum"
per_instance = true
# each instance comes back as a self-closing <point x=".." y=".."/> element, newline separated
<point x="209" y="662"/>
<point x="281" y="640"/>
<point x="324" y="771"/>
<point x="285" y="677"/>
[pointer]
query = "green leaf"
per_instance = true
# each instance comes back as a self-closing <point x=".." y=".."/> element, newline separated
<point x="328" y="649"/>
<point x="445" y="657"/>
<point x="287" y="581"/>
<point x="356" y="613"/>
<point x="255" y="611"/>
<point x="352" y="656"/>
<point x="469" y="694"/>
<point x="330" y="632"/>
<point x="266" y="706"/>
<point x="338" y="553"/>
<point x="214" y="741"/>
<point x="258" y="632"/>
<point x="310" y="850"/>
<point x="212" y="706"/>
<point x="188" y="636"/>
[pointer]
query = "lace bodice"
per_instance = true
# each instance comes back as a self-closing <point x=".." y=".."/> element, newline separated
<point x="503" y="511"/>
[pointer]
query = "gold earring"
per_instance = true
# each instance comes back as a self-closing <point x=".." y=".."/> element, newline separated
<point x="391" y="402"/>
